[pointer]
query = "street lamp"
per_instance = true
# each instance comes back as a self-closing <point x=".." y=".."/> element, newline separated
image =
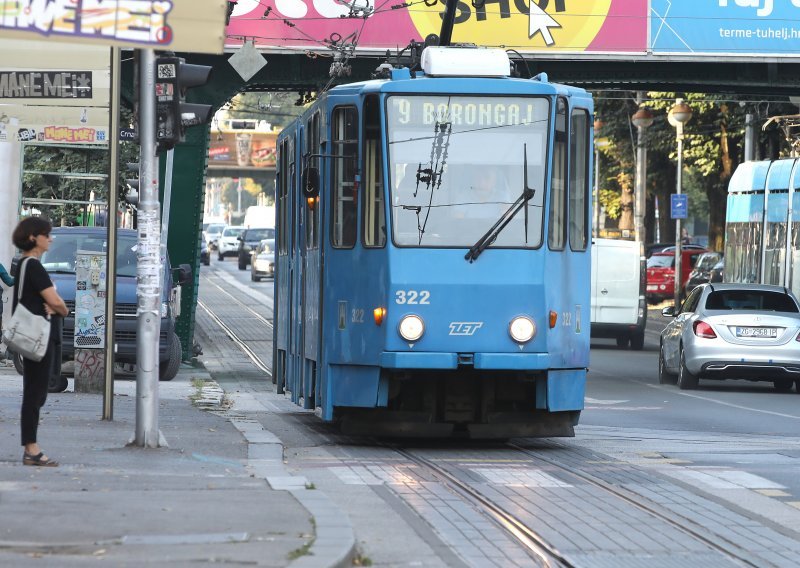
<point x="641" y="119"/>
<point x="679" y="115"/>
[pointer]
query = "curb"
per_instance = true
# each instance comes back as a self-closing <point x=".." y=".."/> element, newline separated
<point x="334" y="545"/>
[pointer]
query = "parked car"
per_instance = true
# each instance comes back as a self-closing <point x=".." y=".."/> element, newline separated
<point x="228" y="241"/>
<point x="205" y="256"/>
<point x="211" y="234"/>
<point x="263" y="263"/>
<point x="733" y="331"/>
<point x="717" y="272"/>
<point x="249" y="240"/>
<point x="652" y="248"/>
<point x="701" y="273"/>
<point x="618" y="292"/>
<point x="661" y="272"/>
<point x="60" y="262"/>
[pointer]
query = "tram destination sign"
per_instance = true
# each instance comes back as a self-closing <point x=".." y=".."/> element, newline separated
<point x="45" y="84"/>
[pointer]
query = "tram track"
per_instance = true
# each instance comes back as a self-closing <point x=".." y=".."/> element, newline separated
<point x="236" y="339"/>
<point x="728" y="548"/>
<point x="534" y="544"/>
<point x="537" y="547"/>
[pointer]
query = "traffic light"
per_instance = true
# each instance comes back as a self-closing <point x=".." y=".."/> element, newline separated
<point x="173" y="114"/>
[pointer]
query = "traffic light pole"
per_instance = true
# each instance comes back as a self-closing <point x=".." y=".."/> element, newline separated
<point x="148" y="271"/>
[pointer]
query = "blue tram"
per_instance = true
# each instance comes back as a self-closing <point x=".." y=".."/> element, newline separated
<point x="433" y="253"/>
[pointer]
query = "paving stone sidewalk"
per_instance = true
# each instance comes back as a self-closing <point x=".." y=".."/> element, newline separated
<point x="203" y="499"/>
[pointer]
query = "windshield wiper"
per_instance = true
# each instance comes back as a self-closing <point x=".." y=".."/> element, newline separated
<point x="522" y="201"/>
<point x="489" y="237"/>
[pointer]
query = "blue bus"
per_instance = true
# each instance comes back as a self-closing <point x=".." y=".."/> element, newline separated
<point x="762" y="224"/>
<point x="433" y="251"/>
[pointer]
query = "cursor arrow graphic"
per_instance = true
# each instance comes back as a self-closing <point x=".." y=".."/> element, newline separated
<point x="540" y="21"/>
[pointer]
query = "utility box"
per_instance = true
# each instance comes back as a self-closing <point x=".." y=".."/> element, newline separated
<point x="90" y="321"/>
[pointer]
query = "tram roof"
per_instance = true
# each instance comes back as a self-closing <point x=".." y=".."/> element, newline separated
<point x="774" y="175"/>
<point x="401" y="81"/>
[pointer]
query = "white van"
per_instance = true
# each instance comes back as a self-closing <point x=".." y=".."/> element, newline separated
<point x="619" y="307"/>
<point x="259" y="216"/>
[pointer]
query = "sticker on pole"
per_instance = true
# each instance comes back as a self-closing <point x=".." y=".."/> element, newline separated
<point x="679" y="205"/>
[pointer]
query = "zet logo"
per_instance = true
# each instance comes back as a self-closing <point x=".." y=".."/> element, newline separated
<point x="465" y="327"/>
<point x="568" y="25"/>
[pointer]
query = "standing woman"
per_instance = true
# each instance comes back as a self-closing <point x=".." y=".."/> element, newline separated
<point x="32" y="237"/>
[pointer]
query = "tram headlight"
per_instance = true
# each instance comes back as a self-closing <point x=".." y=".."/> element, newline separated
<point x="522" y="329"/>
<point x="411" y="328"/>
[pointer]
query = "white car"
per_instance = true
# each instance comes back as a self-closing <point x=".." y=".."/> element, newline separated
<point x="228" y="242"/>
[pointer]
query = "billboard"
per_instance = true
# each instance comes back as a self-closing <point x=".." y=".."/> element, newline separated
<point x="245" y="149"/>
<point x="177" y="25"/>
<point x="600" y="26"/>
<point x="53" y="92"/>
<point x="729" y="27"/>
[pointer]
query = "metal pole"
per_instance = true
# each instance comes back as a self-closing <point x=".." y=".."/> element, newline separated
<point x="596" y="229"/>
<point x="641" y="178"/>
<point x="678" y="221"/>
<point x="111" y="235"/>
<point x="749" y="137"/>
<point x="148" y="288"/>
<point x="167" y="200"/>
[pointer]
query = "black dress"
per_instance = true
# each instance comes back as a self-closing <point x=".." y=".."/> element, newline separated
<point x="36" y="374"/>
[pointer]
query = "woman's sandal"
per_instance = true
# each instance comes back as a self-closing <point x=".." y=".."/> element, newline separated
<point x="38" y="460"/>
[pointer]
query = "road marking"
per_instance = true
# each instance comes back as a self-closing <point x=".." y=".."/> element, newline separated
<point x="519" y="477"/>
<point x="370" y="475"/>
<point x="589" y="400"/>
<point x="726" y="479"/>
<point x="740" y="407"/>
<point x="773" y="493"/>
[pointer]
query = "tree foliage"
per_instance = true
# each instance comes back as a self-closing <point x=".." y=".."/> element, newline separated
<point x="713" y="147"/>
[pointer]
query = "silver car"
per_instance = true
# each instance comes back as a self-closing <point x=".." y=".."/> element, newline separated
<point x="263" y="256"/>
<point x="733" y="331"/>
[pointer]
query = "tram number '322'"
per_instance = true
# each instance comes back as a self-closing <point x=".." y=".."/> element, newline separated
<point x="412" y="297"/>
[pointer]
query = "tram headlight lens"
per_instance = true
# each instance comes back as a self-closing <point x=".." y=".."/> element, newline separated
<point x="411" y="328"/>
<point x="522" y="329"/>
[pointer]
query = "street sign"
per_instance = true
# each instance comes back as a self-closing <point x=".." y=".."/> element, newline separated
<point x="679" y="205"/>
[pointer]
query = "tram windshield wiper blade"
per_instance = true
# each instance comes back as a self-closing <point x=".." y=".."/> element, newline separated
<point x="489" y="237"/>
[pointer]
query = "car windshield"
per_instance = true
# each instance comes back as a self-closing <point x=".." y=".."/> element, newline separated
<point x="260" y="234"/>
<point x="266" y="246"/>
<point x="457" y="163"/>
<point x="232" y="231"/>
<point x="214" y="229"/>
<point x="707" y="261"/>
<point x="65" y="246"/>
<point x="755" y="300"/>
<point x="661" y="261"/>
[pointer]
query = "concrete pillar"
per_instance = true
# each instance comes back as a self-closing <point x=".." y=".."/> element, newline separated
<point x="9" y="205"/>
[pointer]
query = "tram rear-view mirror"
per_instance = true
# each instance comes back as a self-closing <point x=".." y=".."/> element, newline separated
<point x="311" y="182"/>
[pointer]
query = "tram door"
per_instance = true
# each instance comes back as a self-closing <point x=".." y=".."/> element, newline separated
<point x="282" y="314"/>
<point x="312" y="267"/>
<point x="294" y="367"/>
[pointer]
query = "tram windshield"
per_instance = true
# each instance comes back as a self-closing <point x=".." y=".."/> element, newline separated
<point x="457" y="163"/>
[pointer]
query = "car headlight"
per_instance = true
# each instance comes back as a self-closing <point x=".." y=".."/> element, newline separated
<point x="164" y="309"/>
<point x="522" y="329"/>
<point x="411" y="328"/>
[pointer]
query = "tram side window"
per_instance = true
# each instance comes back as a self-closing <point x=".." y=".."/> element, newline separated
<point x="344" y="143"/>
<point x="283" y="179"/>
<point x="373" y="211"/>
<point x="558" y="191"/>
<point x="578" y="179"/>
<point x="312" y="209"/>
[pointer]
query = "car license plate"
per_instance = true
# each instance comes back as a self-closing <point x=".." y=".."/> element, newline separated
<point x="652" y="287"/>
<point x="756" y="332"/>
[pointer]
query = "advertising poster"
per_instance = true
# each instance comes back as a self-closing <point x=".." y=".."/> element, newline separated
<point x="90" y="300"/>
<point x="726" y="27"/>
<point x="178" y="25"/>
<point x="56" y="93"/>
<point x="243" y="149"/>
<point x="600" y="26"/>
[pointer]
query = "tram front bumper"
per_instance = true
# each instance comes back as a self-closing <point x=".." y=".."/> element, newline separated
<point x="487" y="361"/>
